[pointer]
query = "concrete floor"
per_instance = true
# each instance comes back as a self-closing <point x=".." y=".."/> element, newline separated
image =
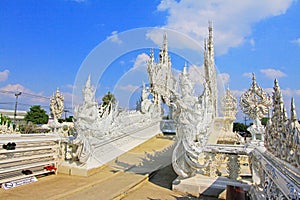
<point x="126" y="177"/>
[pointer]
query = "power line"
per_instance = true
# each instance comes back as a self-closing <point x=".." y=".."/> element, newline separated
<point x="30" y="95"/>
<point x="25" y="93"/>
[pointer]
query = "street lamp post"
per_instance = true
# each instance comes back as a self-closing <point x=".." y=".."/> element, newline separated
<point x="16" y="105"/>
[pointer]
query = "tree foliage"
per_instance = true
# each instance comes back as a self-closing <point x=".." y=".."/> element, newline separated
<point x="239" y="127"/>
<point x="108" y="99"/>
<point x="5" y="120"/>
<point x="108" y="102"/>
<point x="264" y="121"/>
<point x="36" y="115"/>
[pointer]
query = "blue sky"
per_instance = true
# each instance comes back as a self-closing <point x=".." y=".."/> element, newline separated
<point x="46" y="44"/>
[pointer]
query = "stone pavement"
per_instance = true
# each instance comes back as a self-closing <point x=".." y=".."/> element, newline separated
<point x="126" y="177"/>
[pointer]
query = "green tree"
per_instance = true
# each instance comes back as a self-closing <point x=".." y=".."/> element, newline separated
<point x="36" y="115"/>
<point x="264" y="121"/>
<point x="5" y="120"/>
<point x="108" y="101"/>
<point x="239" y="127"/>
<point x="69" y="119"/>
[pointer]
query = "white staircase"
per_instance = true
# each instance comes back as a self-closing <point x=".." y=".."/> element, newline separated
<point x="34" y="154"/>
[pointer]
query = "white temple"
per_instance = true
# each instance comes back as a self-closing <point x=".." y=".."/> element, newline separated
<point x="160" y="75"/>
<point x="208" y="156"/>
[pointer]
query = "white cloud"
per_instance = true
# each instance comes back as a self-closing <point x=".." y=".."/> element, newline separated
<point x="79" y="1"/>
<point x="115" y="38"/>
<point x="4" y="75"/>
<point x="176" y="39"/>
<point x="297" y="92"/>
<point x="272" y="73"/>
<point x="223" y="79"/>
<point x="14" y="88"/>
<point x="27" y="94"/>
<point x="247" y="74"/>
<point x="196" y="74"/>
<point x="288" y="92"/>
<point x="141" y="61"/>
<point x="237" y="93"/>
<point x="69" y="86"/>
<point x="252" y="43"/>
<point x="132" y="80"/>
<point x="130" y="87"/>
<point x="297" y="41"/>
<point x="232" y="19"/>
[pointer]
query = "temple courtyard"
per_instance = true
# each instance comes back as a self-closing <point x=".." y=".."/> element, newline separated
<point x="144" y="172"/>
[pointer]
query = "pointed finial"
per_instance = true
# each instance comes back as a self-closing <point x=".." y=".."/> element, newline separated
<point x="165" y="42"/>
<point x="151" y="57"/>
<point x="165" y="36"/>
<point x="228" y="89"/>
<point x="88" y="82"/>
<point x="285" y="117"/>
<point x="184" y="69"/>
<point x="151" y="52"/>
<point x="276" y="82"/>
<point x="253" y="77"/>
<point x="210" y="25"/>
<point x="293" y="111"/>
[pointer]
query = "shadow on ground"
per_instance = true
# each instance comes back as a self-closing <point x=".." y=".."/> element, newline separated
<point x="163" y="177"/>
<point x="150" y="163"/>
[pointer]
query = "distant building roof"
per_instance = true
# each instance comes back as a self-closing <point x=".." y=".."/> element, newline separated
<point x="10" y="113"/>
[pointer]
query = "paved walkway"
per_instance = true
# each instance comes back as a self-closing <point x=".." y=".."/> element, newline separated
<point x="123" y="178"/>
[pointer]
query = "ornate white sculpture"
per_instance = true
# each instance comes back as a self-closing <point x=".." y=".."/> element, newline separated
<point x="86" y="120"/>
<point x="255" y="103"/>
<point x="283" y="134"/>
<point x="229" y="110"/>
<point x="229" y="105"/>
<point x="57" y="104"/>
<point x="147" y="105"/>
<point x="56" y="109"/>
<point x="93" y="127"/>
<point x="193" y="117"/>
<point x="210" y="70"/>
<point x="160" y="75"/>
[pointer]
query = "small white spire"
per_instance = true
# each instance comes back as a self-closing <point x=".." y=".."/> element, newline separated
<point x="185" y="69"/>
<point x="293" y="111"/>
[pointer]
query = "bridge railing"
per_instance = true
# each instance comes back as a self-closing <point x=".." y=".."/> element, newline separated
<point x="273" y="178"/>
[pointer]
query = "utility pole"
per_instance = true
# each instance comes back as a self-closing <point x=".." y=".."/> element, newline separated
<point x="16" y="105"/>
<point x="245" y="119"/>
<point x="66" y="111"/>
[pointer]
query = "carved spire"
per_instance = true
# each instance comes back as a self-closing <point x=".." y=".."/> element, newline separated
<point x="210" y="41"/>
<point x="229" y="104"/>
<point x="165" y="43"/>
<point x="284" y="114"/>
<point x="164" y="55"/>
<point x="151" y="57"/>
<point x="253" y="79"/>
<point x="210" y="70"/>
<point x="160" y="74"/>
<point x="293" y="111"/>
<point x="88" y="82"/>
<point x="277" y="96"/>
<point x="185" y="70"/>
